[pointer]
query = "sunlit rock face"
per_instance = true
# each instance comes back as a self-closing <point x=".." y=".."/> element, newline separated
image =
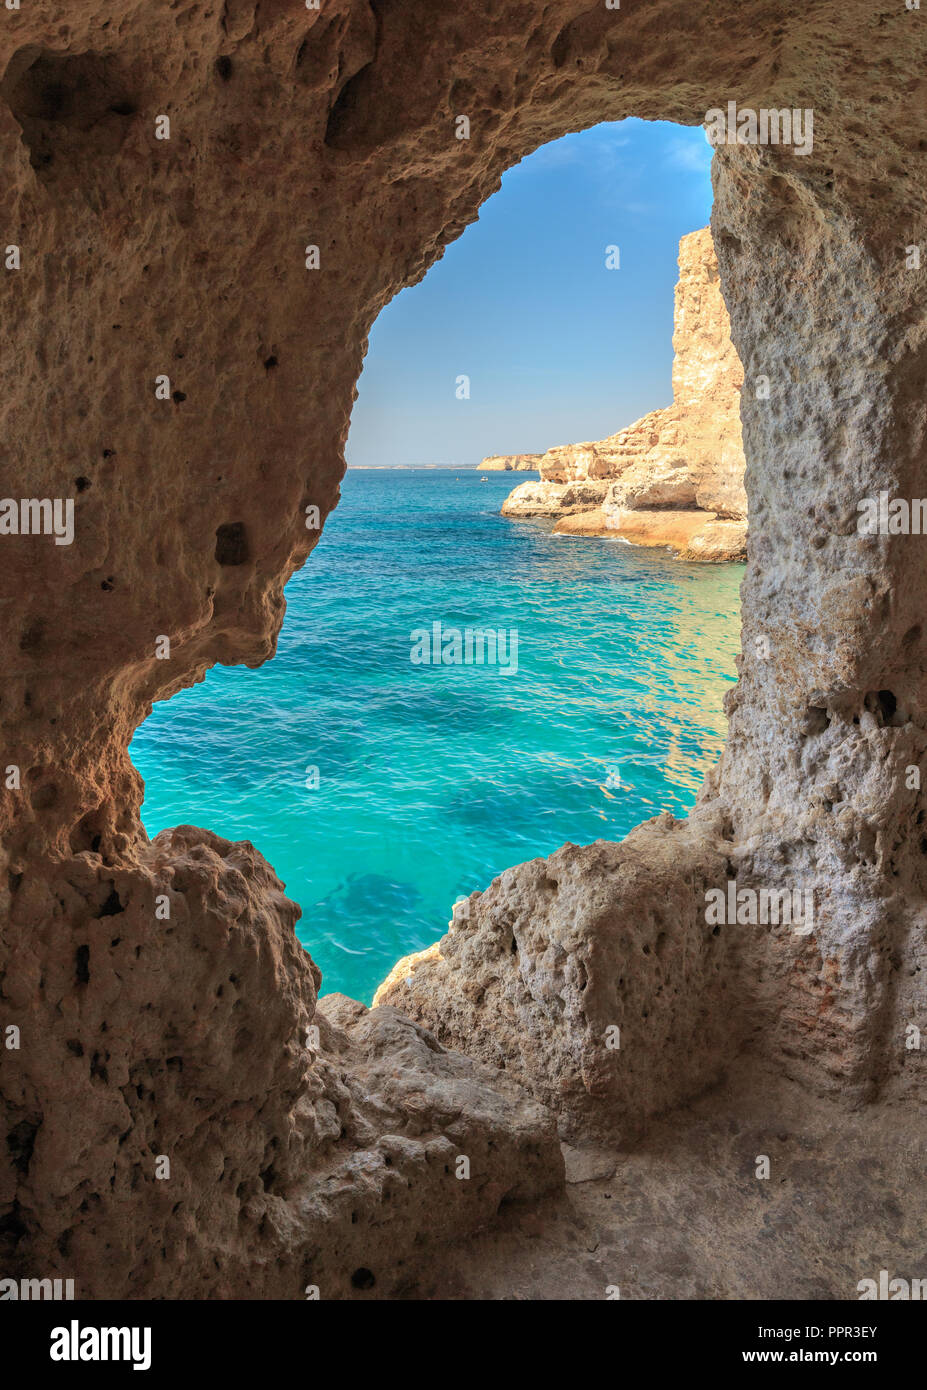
<point x="707" y="381"/>
<point x="510" y="463"/>
<point x="555" y="499"/>
<point x="686" y="457"/>
<point x="596" y="965"/>
<point x="312" y="170"/>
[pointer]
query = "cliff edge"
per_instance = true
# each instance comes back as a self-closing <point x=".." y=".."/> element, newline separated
<point x="676" y="476"/>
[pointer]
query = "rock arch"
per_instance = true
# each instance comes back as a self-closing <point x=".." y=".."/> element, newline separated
<point x="186" y="257"/>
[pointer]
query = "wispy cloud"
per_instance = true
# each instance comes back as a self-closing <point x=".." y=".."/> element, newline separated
<point x="692" y="156"/>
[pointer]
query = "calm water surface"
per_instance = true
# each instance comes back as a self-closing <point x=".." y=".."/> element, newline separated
<point x="432" y="779"/>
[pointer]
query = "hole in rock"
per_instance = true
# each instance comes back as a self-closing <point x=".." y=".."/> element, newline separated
<point x="31" y="637"/>
<point x="20" y="1142"/>
<point x="231" y="544"/>
<point x="883" y="704"/>
<point x="73" y="108"/>
<point x="362" y="1279"/>
<point x="112" y="905"/>
<point x="385" y="767"/>
<point x="88" y="833"/>
<point x="82" y="965"/>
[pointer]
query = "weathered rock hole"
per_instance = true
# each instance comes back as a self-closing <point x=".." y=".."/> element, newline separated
<point x="20" y="1143"/>
<point x="82" y="965"/>
<point x="232" y="544"/>
<point x="349" y="121"/>
<point x="88" y="833"/>
<point x="30" y="639"/>
<point x="112" y="906"/>
<point x="362" y="1279"/>
<point x="73" y="110"/>
<point x="881" y="703"/>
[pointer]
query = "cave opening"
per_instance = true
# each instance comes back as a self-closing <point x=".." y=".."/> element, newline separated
<point x="818" y="257"/>
<point x="383" y="772"/>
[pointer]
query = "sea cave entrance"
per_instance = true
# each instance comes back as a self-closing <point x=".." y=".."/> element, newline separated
<point x="386" y="776"/>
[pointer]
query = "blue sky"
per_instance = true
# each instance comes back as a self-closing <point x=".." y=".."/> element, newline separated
<point x="557" y="347"/>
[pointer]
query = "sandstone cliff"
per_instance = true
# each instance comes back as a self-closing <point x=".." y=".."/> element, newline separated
<point x="510" y="463"/>
<point x="675" y="473"/>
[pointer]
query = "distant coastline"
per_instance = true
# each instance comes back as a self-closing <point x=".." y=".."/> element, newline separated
<point x="419" y="467"/>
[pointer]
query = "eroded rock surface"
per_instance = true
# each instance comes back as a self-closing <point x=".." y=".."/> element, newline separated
<point x="178" y="1101"/>
<point x="591" y="976"/>
<point x="334" y="130"/>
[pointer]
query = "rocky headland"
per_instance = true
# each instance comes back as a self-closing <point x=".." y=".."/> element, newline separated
<point x="510" y="463"/>
<point x="675" y="477"/>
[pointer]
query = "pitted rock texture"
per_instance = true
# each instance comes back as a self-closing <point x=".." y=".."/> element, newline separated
<point x="592" y="977"/>
<point x="688" y="456"/>
<point x="335" y="129"/>
<point x="294" y="1157"/>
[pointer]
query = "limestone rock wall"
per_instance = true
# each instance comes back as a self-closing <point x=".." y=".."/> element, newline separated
<point x="180" y="1117"/>
<point x="686" y="456"/>
<point x="610" y="996"/>
<point x="334" y="130"/>
<point x="707" y="381"/>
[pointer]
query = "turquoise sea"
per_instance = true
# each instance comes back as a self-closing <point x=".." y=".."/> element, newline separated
<point x="434" y="778"/>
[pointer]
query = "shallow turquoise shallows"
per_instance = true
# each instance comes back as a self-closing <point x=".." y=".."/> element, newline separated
<point x="434" y="778"/>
